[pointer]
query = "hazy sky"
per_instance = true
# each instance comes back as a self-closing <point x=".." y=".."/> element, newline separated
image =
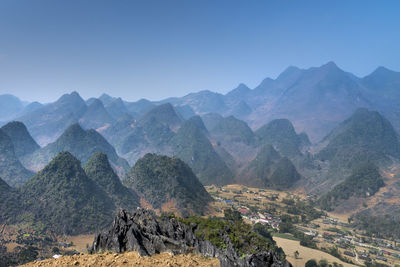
<point x="155" y="49"/>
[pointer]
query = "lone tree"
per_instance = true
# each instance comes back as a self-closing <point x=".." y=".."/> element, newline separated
<point x="311" y="263"/>
<point x="296" y="254"/>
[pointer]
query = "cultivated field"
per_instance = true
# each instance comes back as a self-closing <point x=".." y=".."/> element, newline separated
<point x="305" y="253"/>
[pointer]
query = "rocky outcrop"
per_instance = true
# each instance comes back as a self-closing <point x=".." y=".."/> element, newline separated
<point x="147" y="234"/>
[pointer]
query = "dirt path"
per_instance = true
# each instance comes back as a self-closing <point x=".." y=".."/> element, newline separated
<point x="305" y="254"/>
<point x="129" y="259"/>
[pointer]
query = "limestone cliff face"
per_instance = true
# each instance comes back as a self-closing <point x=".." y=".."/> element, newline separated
<point x="143" y="232"/>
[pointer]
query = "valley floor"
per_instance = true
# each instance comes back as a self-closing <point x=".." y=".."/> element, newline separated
<point x="330" y="231"/>
<point x="305" y="253"/>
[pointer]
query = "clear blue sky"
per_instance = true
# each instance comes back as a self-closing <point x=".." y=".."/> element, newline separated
<point x="156" y="49"/>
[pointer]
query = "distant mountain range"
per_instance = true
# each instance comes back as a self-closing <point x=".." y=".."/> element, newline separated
<point x="216" y="156"/>
<point x="222" y="138"/>
<point x="321" y="130"/>
<point x="315" y="100"/>
<point x="220" y="150"/>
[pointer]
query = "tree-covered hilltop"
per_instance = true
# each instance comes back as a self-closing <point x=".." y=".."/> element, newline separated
<point x="365" y="136"/>
<point x="166" y="182"/>
<point x="99" y="170"/>
<point x="62" y="199"/>
<point x="269" y="169"/>
<point x="22" y="140"/>
<point x="364" y="181"/>
<point x="281" y="134"/>
<point x="11" y="169"/>
<point x="82" y="144"/>
<point x="192" y="146"/>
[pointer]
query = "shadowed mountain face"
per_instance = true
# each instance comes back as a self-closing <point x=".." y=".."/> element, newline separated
<point x="168" y="184"/>
<point x="22" y="140"/>
<point x="82" y="144"/>
<point x="11" y="169"/>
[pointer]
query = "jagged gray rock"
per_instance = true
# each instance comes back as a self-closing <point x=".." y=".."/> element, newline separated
<point x="143" y="232"/>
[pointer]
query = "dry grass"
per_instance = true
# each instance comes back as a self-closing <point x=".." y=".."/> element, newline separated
<point x="305" y="254"/>
<point x="129" y="259"/>
<point x="80" y="242"/>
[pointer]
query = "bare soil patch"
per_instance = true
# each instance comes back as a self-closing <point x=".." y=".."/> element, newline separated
<point x="129" y="259"/>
